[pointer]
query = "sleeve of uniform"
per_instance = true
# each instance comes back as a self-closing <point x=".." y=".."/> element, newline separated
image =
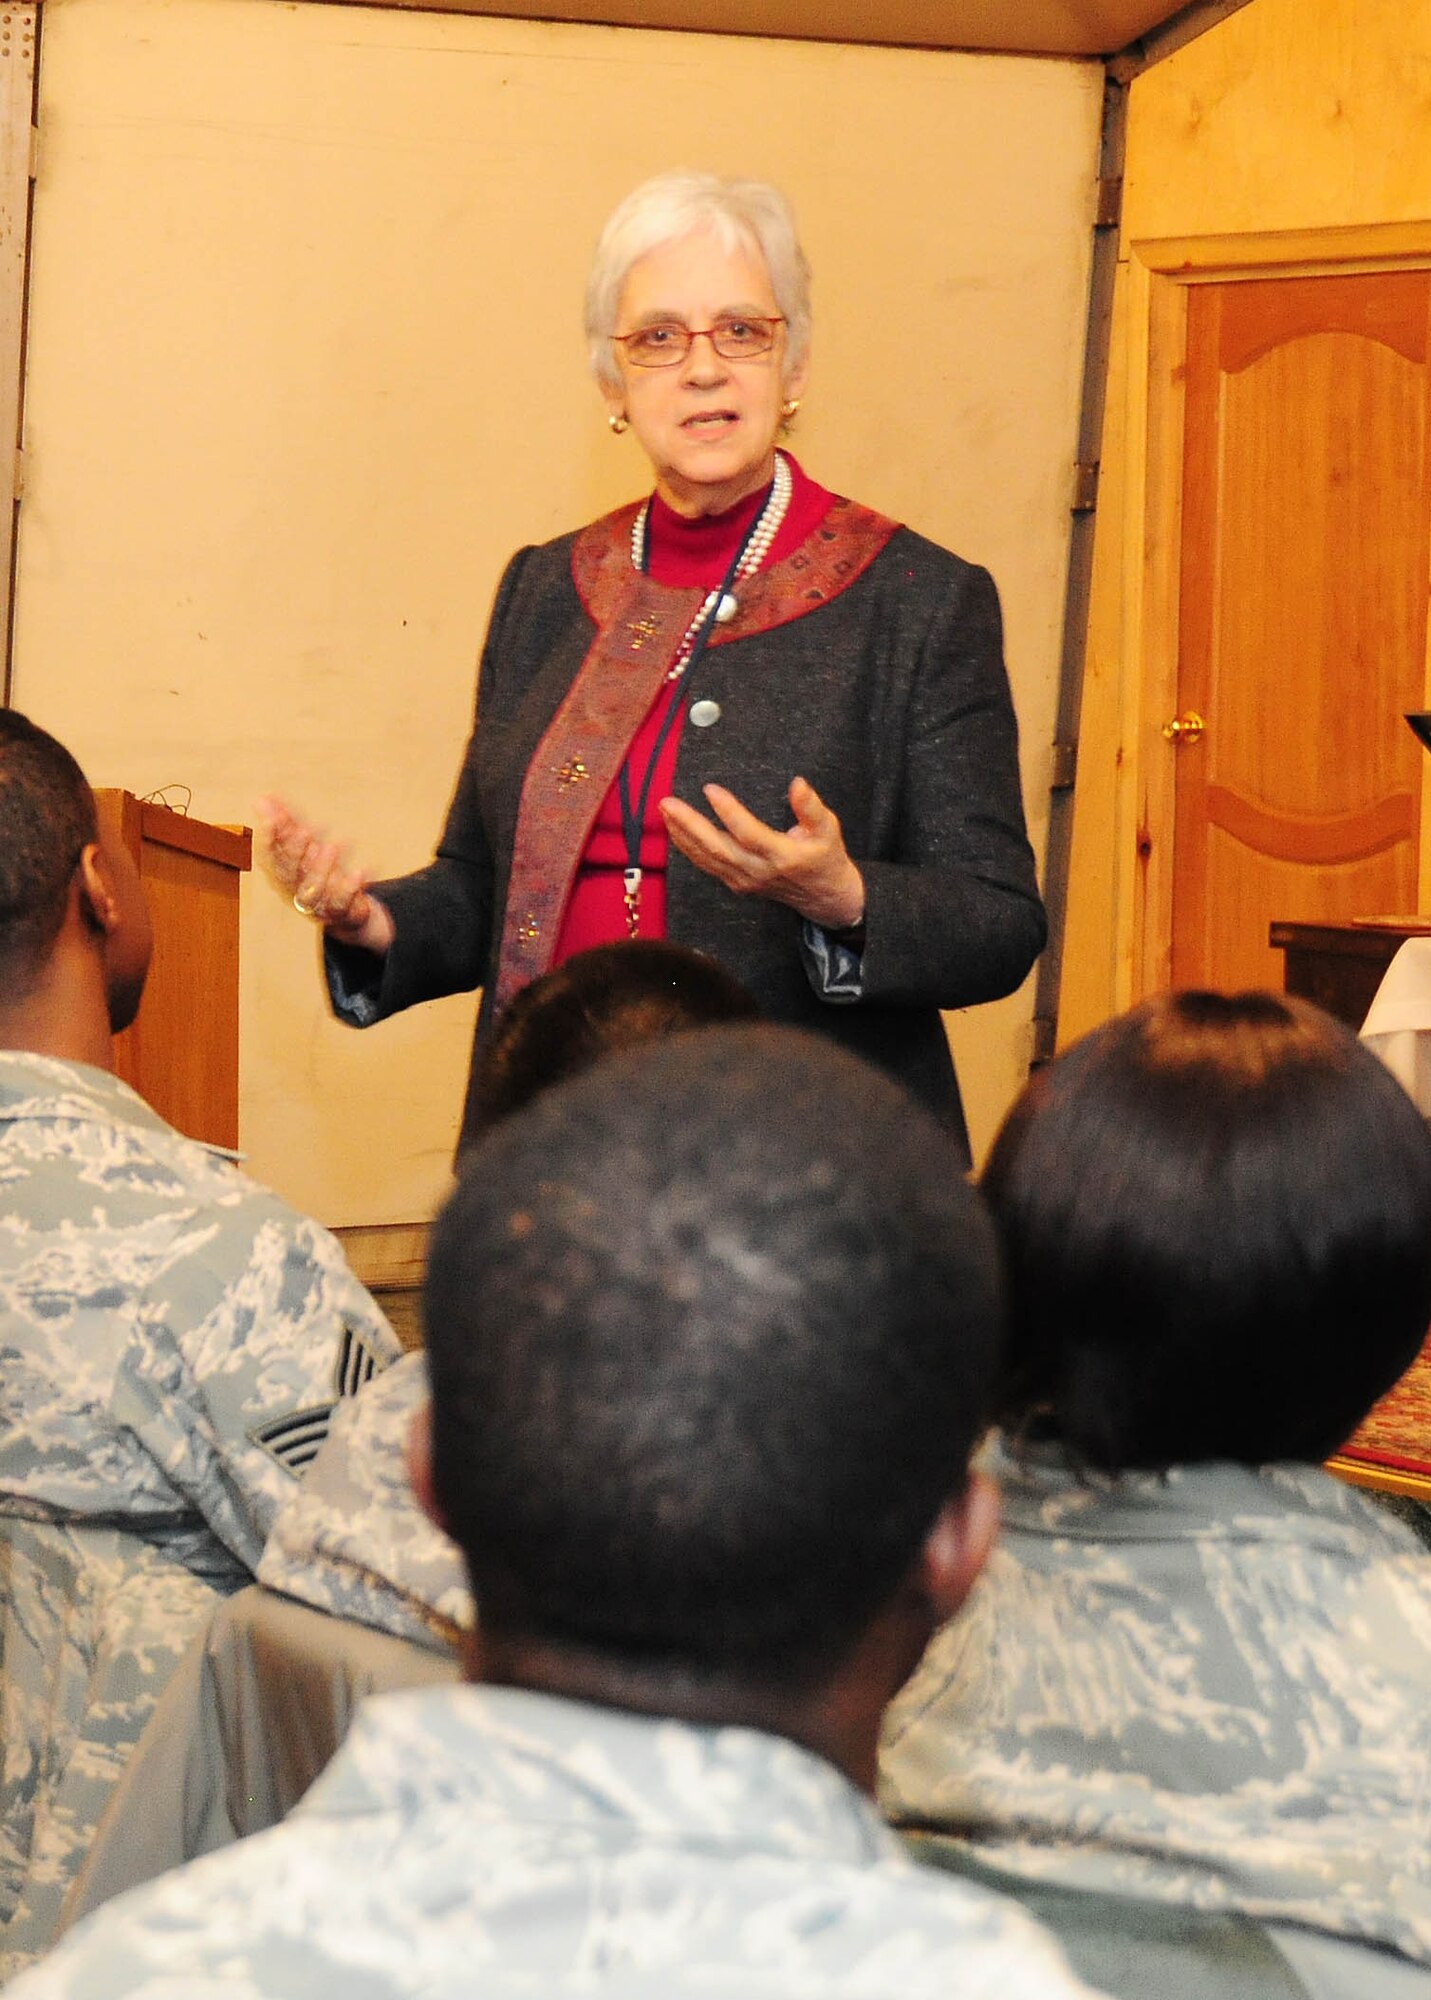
<point x="232" y="1374"/>
<point x="352" y="1539"/>
<point x="94" y="1624"/>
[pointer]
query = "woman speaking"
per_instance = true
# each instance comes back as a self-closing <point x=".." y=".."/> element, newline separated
<point x="742" y="713"/>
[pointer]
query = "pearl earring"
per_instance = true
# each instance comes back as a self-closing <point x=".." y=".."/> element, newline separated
<point x="789" y="407"/>
<point x="618" y="424"/>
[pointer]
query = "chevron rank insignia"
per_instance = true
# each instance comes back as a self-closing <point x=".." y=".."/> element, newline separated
<point x="294" y="1439"/>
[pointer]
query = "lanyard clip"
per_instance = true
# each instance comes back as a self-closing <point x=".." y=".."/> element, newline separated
<point x="631" y="886"/>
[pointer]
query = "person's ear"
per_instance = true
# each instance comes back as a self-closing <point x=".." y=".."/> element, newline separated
<point x="613" y="394"/>
<point x="958" y="1545"/>
<point x="98" y="897"/>
<point x="113" y="905"/>
<point x="796" y="378"/>
<point x="417" y="1454"/>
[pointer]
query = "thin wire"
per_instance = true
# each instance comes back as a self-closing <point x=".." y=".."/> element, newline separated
<point x="160" y="797"/>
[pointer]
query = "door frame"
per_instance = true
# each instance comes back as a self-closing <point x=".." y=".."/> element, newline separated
<point x="19" y="39"/>
<point x="1121" y="890"/>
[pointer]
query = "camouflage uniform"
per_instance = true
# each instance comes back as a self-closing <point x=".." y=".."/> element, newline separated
<point x="480" y="1842"/>
<point x="1212" y="1689"/>
<point x="352" y="1539"/>
<point x="172" y="1340"/>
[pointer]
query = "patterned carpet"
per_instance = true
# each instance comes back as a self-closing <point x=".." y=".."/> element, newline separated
<point x="1397" y="1434"/>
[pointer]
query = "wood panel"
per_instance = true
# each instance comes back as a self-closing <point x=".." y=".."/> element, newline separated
<point x="1034" y="27"/>
<point x="1290" y="114"/>
<point x="17" y="99"/>
<point x="182" y="1052"/>
<point x="1340" y="966"/>
<point x="1303" y="602"/>
<point x="1288" y="135"/>
<point x="1377" y="1479"/>
<point x="1096" y="978"/>
<point x="191" y="1001"/>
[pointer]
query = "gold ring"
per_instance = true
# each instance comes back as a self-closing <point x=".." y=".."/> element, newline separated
<point x="305" y="909"/>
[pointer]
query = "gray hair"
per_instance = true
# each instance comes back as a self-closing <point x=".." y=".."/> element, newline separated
<point x="750" y="214"/>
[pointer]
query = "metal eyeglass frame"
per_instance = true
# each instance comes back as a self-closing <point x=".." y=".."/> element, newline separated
<point x="691" y="334"/>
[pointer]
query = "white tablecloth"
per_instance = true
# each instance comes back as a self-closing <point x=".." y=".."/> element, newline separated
<point x="1398" y="1023"/>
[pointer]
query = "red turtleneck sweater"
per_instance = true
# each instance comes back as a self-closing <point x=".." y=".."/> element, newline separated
<point x="685" y="554"/>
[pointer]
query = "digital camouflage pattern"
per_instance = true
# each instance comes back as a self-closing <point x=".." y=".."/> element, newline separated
<point x="1212" y="1688"/>
<point x="469" y="1843"/>
<point x="93" y="1622"/>
<point x="172" y="1340"/>
<point x="352" y="1538"/>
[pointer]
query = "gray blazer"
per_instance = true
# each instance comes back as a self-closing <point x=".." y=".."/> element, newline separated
<point x="891" y="699"/>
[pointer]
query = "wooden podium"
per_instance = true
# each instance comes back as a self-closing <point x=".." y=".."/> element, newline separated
<point x="182" y="1052"/>
<point x="1338" y="965"/>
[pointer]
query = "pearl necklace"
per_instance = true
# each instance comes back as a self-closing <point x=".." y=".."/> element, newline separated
<point x="724" y="603"/>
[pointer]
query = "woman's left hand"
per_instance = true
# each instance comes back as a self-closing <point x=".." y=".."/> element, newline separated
<point x="808" y="868"/>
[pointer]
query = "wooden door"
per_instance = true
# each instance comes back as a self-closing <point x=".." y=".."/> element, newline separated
<point x="1303" y="602"/>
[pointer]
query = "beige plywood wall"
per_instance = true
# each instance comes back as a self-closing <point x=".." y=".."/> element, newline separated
<point x="1293" y="133"/>
<point x="305" y="367"/>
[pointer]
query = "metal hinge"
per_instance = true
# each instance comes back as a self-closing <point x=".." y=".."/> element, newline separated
<point x="1109" y="212"/>
<point x="1043" y="1040"/>
<point x="34" y="160"/>
<point x="1085" y="486"/>
<point x="1065" y="767"/>
<point x="17" y="476"/>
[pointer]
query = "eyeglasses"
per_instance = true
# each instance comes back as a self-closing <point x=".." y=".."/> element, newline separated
<point x="735" y="337"/>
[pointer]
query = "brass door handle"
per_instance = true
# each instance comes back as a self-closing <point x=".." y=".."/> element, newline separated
<point x="1184" y="728"/>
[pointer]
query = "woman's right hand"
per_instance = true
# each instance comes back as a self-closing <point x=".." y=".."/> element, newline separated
<point x="313" y="871"/>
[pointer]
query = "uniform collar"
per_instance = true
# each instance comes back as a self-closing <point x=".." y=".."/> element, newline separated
<point x="520" y="1756"/>
<point x="47" y="1087"/>
<point x="1218" y="1501"/>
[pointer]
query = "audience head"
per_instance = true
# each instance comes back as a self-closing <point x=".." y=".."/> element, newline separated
<point x="711" y="1331"/>
<point x="614" y="997"/>
<point x="1216" y="1217"/>
<point x="60" y="879"/>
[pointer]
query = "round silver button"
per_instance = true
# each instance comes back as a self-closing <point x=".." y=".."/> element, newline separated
<point x="704" y="713"/>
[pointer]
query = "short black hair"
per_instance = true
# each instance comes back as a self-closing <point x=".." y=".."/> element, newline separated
<point x="47" y="819"/>
<point x="1216" y="1217"/>
<point x="615" y="996"/>
<point x="711" y="1331"/>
